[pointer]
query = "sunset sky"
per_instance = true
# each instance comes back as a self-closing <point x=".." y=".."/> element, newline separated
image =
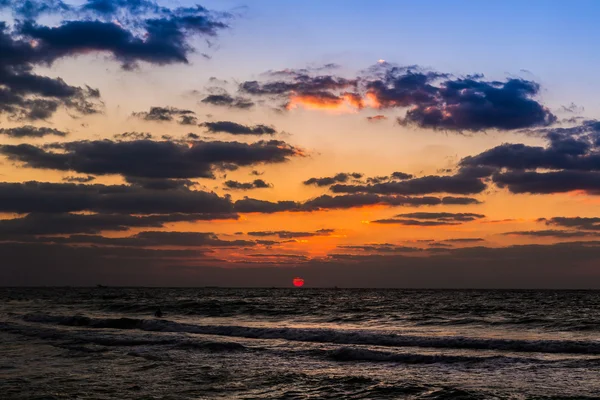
<point x="376" y="144"/>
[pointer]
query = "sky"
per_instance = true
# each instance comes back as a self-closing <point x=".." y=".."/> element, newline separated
<point x="397" y="144"/>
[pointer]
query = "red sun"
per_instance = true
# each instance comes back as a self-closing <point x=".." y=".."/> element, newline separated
<point x="298" y="282"/>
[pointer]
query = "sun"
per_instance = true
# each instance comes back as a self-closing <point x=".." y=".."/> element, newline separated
<point x="298" y="282"/>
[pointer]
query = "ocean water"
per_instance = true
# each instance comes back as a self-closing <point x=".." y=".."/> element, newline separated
<point x="106" y="343"/>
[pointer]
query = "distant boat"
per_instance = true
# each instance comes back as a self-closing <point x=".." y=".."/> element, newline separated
<point x="101" y="286"/>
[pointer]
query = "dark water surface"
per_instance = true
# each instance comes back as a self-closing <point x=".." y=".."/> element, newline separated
<point x="105" y="343"/>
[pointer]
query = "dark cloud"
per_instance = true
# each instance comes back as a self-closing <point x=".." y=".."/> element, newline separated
<point x="549" y="182"/>
<point x="298" y="83"/>
<point x="434" y="100"/>
<point x="413" y="222"/>
<point x="67" y="223"/>
<point x="159" y="183"/>
<point x="234" y="128"/>
<point x="443" y="216"/>
<point x="129" y="31"/>
<point x="228" y="101"/>
<point x="395" y="176"/>
<point x="583" y="223"/>
<point x="25" y="95"/>
<point x="555" y="233"/>
<point x="424" y="185"/>
<point x="401" y="175"/>
<point x="256" y="184"/>
<point x="156" y="35"/>
<point x="326" y="202"/>
<point x="563" y="154"/>
<point x="562" y="265"/>
<point x="381" y="248"/>
<point x="119" y="199"/>
<point x="570" y="161"/>
<point x="133" y="136"/>
<point x="292" y="235"/>
<point x="466" y="104"/>
<point x="188" y="120"/>
<point x="249" y="205"/>
<point x="29" y="131"/>
<point x="167" y="114"/>
<point x="155" y="239"/>
<point x="149" y="159"/>
<point x="464" y="240"/>
<point x="34" y="8"/>
<point x="79" y="179"/>
<point x="327" y="181"/>
<point x="430" y="218"/>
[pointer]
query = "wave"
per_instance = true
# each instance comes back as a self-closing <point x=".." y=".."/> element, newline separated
<point x="335" y="336"/>
<point x="362" y="354"/>
<point x="75" y="340"/>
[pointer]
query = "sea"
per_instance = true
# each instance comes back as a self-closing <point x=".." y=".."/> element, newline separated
<point x="301" y="343"/>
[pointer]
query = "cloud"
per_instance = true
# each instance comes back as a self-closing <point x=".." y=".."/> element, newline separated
<point x="395" y="176"/>
<point x="133" y="136"/>
<point x="326" y="202"/>
<point x="129" y="31"/>
<point x="549" y="182"/>
<point x="60" y="223"/>
<point x="412" y="222"/>
<point x="562" y="265"/>
<point x="464" y="240"/>
<point x="126" y="30"/>
<point x="250" y="205"/>
<point x="79" y="179"/>
<point x="430" y="218"/>
<point x="29" y="131"/>
<point x="327" y="181"/>
<point x="475" y="105"/>
<point x="24" y="95"/>
<point x="424" y="185"/>
<point x="234" y="128"/>
<point x="381" y="248"/>
<point x="256" y="184"/>
<point x="443" y="216"/>
<point x="292" y="235"/>
<point x="569" y="162"/>
<point x="298" y="84"/>
<point x="583" y="223"/>
<point x="118" y="199"/>
<point x="433" y="100"/>
<point x="151" y="239"/>
<point x="226" y="100"/>
<point x="555" y="233"/>
<point x="149" y="159"/>
<point x="167" y="114"/>
<point x="159" y="183"/>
